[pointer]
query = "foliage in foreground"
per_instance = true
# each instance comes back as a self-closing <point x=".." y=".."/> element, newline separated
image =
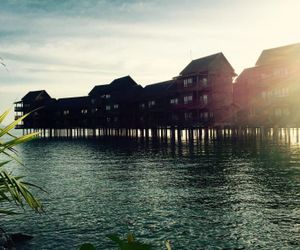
<point x="125" y="244"/>
<point x="12" y="188"/>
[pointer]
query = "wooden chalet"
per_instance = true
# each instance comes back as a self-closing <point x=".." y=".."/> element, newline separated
<point x="70" y="112"/>
<point x="268" y="94"/>
<point x="39" y="103"/>
<point x="113" y="105"/>
<point x="204" y="92"/>
<point x="153" y="105"/>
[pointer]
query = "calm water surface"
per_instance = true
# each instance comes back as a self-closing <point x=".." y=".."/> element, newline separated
<point x="229" y="194"/>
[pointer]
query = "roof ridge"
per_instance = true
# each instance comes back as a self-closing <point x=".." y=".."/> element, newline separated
<point x="283" y="46"/>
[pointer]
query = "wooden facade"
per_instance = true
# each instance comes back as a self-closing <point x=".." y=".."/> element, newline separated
<point x="268" y="94"/>
<point x="200" y="96"/>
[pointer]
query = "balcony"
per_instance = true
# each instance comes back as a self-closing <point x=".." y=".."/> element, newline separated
<point x="20" y="126"/>
<point x="199" y="86"/>
<point x="17" y="117"/>
<point x="190" y="105"/>
<point x="19" y="108"/>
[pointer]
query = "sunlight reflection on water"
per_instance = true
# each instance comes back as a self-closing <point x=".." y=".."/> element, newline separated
<point x="230" y="193"/>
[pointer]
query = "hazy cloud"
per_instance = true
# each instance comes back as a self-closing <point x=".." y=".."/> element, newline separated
<point x="67" y="46"/>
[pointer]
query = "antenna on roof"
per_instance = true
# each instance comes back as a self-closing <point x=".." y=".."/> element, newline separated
<point x="191" y="55"/>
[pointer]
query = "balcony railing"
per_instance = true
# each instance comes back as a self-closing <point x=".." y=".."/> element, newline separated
<point x="17" y="117"/>
<point x="20" y="126"/>
<point x="19" y="108"/>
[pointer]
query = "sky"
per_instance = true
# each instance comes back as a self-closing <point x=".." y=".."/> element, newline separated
<point x="68" y="46"/>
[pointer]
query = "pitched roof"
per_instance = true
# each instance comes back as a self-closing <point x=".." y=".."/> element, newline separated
<point x="279" y="55"/>
<point x="35" y="95"/>
<point x="207" y="64"/>
<point x="72" y="102"/>
<point x="99" y="90"/>
<point x="128" y="95"/>
<point x="157" y="90"/>
<point x="246" y="74"/>
<point x="119" y="84"/>
<point x="122" y="83"/>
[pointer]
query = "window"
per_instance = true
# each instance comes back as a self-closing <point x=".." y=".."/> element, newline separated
<point x="278" y="112"/>
<point x="174" y="117"/>
<point x="187" y="82"/>
<point x="252" y="112"/>
<point x="281" y="111"/>
<point x="188" y="116"/>
<point x="204" y="116"/>
<point x="84" y="111"/>
<point x="204" y="81"/>
<point x="94" y="110"/>
<point x="286" y="111"/>
<point x="284" y="92"/>
<point x="106" y="96"/>
<point x="174" y="101"/>
<point x="108" y="119"/>
<point x="204" y="99"/>
<point x="116" y="106"/>
<point x="116" y="119"/>
<point x="107" y="107"/>
<point x="263" y="76"/>
<point x="188" y="99"/>
<point x="151" y="104"/>
<point x="93" y="101"/>
<point x="66" y="112"/>
<point x="142" y="105"/>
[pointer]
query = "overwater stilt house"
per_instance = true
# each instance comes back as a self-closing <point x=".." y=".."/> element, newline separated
<point x="40" y="104"/>
<point x="201" y="96"/>
<point x="268" y="94"/>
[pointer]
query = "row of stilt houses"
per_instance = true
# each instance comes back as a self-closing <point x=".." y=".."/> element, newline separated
<point x="206" y="94"/>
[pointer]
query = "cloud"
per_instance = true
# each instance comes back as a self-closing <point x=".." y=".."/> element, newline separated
<point x="68" y="46"/>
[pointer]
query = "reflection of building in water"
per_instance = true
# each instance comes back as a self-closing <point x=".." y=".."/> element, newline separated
<point x="269" y="93"/>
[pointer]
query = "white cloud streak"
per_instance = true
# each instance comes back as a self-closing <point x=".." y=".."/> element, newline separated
<point x="69" y="46"/>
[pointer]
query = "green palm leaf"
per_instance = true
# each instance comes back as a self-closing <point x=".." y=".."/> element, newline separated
<point x="12" y="188"/>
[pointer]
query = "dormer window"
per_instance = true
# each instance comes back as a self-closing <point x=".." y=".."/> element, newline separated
<point x="151" y="104"/>
<point x="84" y="111"/>
<point x="187" y="82"/>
